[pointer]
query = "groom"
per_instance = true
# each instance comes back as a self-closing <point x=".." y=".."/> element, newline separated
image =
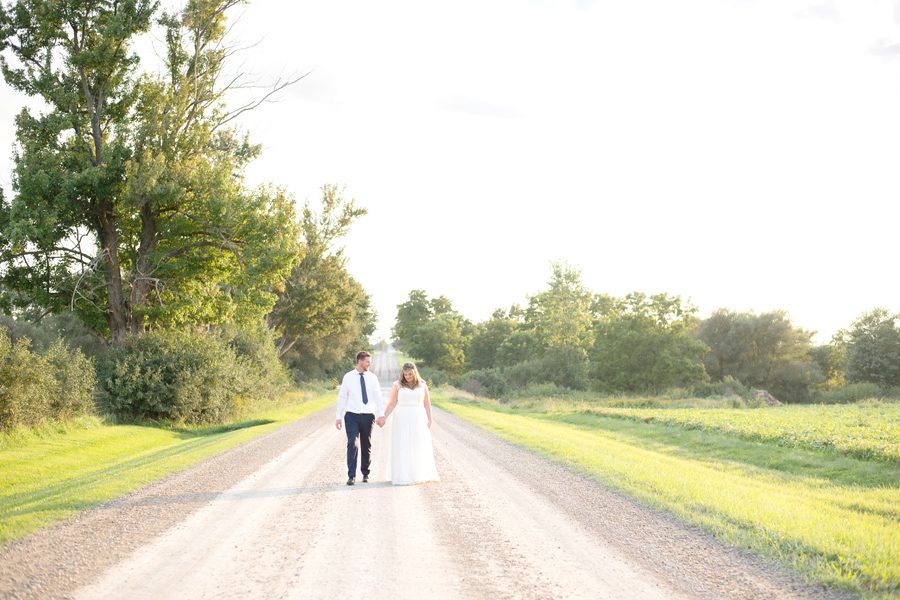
<point x="359" y="399"/>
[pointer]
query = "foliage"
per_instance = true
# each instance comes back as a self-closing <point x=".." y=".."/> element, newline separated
<point x="323" y="314"/>
<point x="560" y="316"/>
<point x="564" y="366"/>
<point x="190" y="377"/>
<point x="65" y="327"/>
<point x="254" y="344"/>
<point x="432" y="332"/>
<point x="410" y="314"/>
<point x="439" y="342"/>
<point x="850" y="393"/>
<point x="130" y="206"/>
<point x="727" y="386"/>
<point x="521" y="345"/>
<point x="483" y="382"/>
<point x="323" y="356"/>
<point x="873" y="353"/>
<point x="487" y="339"/>
<point x="644" y="344"/>
<point x="436" y="376"/>
<point x="37" y="388"/>
<point x="762" y="351"/>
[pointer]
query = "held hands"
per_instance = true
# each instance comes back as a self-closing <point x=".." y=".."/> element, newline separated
<point x="380" y="421"/>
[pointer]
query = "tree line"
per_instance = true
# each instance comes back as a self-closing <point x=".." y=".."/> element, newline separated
<point x="571" y="338"/>
<point x="131" y="215"/>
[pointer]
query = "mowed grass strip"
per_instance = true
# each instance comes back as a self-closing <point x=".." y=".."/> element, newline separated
<point x="835" y="519"/>
<point x="47" y="480"/>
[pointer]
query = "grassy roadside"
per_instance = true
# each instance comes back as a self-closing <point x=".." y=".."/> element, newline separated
<point x="832" y="518"/>
<point x="52" y="477"/>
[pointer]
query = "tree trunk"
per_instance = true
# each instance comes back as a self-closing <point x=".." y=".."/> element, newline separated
<point x="109" y="244"/>
<point x="143" y="282"/>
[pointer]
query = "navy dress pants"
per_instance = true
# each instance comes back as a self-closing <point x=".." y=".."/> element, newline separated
<point x="359" y="433"/>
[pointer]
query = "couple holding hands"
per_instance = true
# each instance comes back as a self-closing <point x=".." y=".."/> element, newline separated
<point x="360" y="406"/>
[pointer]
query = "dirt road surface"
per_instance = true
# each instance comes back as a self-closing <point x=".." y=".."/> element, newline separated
<point x="274" y="519"/>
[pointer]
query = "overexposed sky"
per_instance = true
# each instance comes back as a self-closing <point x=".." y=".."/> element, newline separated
<point x="739" y="153"/>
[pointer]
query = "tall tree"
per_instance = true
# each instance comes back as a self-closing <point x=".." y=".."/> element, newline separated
<point x="873" y="352"/>
<point x="487" y="340"/>
<point x="561" y="315"/>
<point x="440" y="342"/>
<point x="320" y="298"/>
<point x="432" y="331"/>
<point x="831" y="360"/>
<point x="645" y="344"/>
<point x="765" y="351"/>
<point x="130" y="205"/>
<point x="411" y="315"/>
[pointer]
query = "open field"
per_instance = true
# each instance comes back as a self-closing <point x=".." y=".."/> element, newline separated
<point x="50" y="477"/>
<point x="869" y="430"/>
<point x="833" y="516"/>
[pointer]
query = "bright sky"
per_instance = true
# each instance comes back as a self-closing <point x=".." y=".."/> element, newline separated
<point x="739" y="153"/>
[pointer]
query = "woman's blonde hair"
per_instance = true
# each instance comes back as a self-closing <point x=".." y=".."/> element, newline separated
<point x="417" y="379"/>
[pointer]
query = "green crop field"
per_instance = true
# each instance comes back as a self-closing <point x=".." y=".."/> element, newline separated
<point x="870" y="430"/>
<point x="816" y="488"/>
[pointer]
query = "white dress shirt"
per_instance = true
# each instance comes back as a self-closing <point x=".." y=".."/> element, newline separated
<point x="350" y="395"/>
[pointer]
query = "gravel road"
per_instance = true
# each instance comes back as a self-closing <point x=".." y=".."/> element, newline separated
<point x="274" y="519"/>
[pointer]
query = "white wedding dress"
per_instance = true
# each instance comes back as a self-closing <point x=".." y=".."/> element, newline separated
<point x="412" y="453"/>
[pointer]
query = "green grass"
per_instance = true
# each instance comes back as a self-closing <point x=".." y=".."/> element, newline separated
<point x="868" y="430"/>
<point x="49" y="475"/>
<point x="834" y="518"/>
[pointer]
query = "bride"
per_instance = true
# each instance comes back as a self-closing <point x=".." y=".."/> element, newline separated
<point x="412" y="454"/>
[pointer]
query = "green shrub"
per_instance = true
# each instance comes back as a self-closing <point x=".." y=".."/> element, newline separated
<point x="728" y="386"/>
<point x="172" y="376"/>
<point x="38" y="388"/>
<point x="546" y="390"/>
<point x="483" y="382"/>
<point x="64" y="327"/>
<point x="265" y="376"/>
<point x="848" y="394"/>
<point x="74" y="382"/>
<point x="564" y="367"/>
<point x="435" y="375"/>
<point x="185" y="377"/>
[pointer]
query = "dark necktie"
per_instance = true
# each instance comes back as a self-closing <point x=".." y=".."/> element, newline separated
<point x="362" y="384"/>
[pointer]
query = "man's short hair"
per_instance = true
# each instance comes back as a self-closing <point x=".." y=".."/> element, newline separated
<point x="361" y="355"/>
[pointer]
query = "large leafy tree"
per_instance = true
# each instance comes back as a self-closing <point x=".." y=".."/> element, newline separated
<point x="130" y="205"/>
<point x="560" y="316"/>
<point x="873" y="348"/>
<point x="765" y="351"/>
<point x="645" y="344"/>
<point x="432" y="331"/>
<point x="440" y="342"/>
<point x="831" y="359"/>
<point x="488" y="338"/>
<point x="321" y="301"/>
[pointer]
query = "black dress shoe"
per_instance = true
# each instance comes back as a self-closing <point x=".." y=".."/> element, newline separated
<point x="350" y="481"/>
<point x="365" y="479"/>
